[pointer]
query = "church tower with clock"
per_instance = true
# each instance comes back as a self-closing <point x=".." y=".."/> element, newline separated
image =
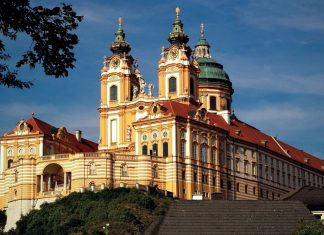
<point x="119" y="83"/>
<point x="177" y="72"/>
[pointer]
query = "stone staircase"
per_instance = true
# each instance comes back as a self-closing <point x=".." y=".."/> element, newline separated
<point x="233" y="217"/>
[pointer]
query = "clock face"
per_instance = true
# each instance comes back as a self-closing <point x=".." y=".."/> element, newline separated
<point x="173" y="54"/>
<point x="115" y="63"/>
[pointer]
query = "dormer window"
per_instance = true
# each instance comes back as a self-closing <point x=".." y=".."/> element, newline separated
<point x="21" y="127"/>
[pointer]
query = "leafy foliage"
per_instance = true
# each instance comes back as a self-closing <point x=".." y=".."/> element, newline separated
<point x="128" y="211"/>
<point x="314" y="228"/>
<point x="50" y="32"/>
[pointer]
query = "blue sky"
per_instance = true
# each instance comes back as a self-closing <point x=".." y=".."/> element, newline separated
<point x="273" y="52"/>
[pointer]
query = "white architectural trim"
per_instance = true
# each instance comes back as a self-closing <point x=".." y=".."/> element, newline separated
<point x="174" y="140"/>
<point x="187" y="142"/>
<point x="41" y="149"/>
<point x="109" y="129"/>
<point x="137" y="143"/>
<point x="1" y="158"/>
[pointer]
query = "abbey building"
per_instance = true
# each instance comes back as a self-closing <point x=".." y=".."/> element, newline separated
<point x="185" y="140"/>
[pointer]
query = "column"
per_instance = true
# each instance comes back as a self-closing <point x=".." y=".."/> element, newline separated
<point x="65" y="181"/>
<point x="41" y="183"/>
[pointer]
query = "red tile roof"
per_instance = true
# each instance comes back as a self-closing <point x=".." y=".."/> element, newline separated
<point x="243" y="131"/>
<point x="177" y="108"/>
<point x="253" y="135"/>
<point x="42" y="127"/>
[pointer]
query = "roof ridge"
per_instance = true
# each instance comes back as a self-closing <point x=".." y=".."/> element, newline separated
<point x="275" y="140"/>
<point x="171" y="106"/>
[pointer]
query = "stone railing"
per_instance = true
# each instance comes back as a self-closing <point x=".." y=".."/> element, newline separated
<point x="125" y="157"/>
<point x="54" y="157"/>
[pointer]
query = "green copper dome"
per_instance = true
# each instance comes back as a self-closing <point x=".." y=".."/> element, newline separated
<point x="209" y="69"/>
<point x="211" y="72"/>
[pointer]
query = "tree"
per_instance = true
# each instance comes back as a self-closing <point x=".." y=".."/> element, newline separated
<point x="3" y="220"/>
<point x="51" y="34"/>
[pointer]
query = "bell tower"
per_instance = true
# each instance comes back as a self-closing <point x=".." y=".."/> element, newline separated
<point x="177" y="72"/>
<point x="118" y="82"/>
<point x="215" y="88"/>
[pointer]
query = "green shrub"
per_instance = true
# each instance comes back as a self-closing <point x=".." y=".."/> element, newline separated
<point x="127" y="210"/>
<point x="314" y="228"/>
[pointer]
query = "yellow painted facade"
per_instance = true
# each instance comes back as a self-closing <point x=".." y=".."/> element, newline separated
<point x="183" y="140"/>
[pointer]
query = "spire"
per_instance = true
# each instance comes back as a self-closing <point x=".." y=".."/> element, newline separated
<point x="177" y="36"/>
<point x="202" y="31"/>
<point x="202" y="46"/>
<point x="120" y="46"/>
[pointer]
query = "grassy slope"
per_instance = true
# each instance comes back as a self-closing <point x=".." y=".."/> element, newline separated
<point x="128" y="211"/>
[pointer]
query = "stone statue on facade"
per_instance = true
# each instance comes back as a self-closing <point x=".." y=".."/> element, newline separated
<point x="150" y="89"/>
<point x="142" y="85"/>
<point x="135" y="92"/>
<point x="129" y="133"/>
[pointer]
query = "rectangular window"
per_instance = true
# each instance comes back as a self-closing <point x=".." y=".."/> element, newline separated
<point x="195" y="176"/>
<point x="194" y="151"/>
<point x="228" y="163"/>
<point x="212" y="103"/>
<point x="183" y="174"/>
<point x="183" y="149"/>
<point x="203" y="152"/>
<point x="246" y="167"/>
<point x="272" y="174"/>
<point x="253" y="168"/>
<point x="213" y="155"/>
<point x="237" y="165"/>
<point x="266" y="172"/>
<point x="165" y="149"/>
<point x="113" y="124"/>
<point x="260" y="171"/>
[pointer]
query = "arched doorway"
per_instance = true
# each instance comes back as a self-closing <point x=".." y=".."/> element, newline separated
<point x="54" y="179"/>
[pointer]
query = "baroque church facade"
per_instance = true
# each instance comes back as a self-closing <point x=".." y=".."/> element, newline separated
<point x="186" y="140"/>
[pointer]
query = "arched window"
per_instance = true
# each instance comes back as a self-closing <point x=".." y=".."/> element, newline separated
<point x="113" y="93"/>
<point x="144" y="149"/>
<point x="10" y="163"/>
<point x="165" y="149"/>
<point x="155" y="150"/>
<point x="172" y="84"/>
<point x="123" y="170"/>
<point x="192" y="87"/>
<point x="212" y="103"/>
